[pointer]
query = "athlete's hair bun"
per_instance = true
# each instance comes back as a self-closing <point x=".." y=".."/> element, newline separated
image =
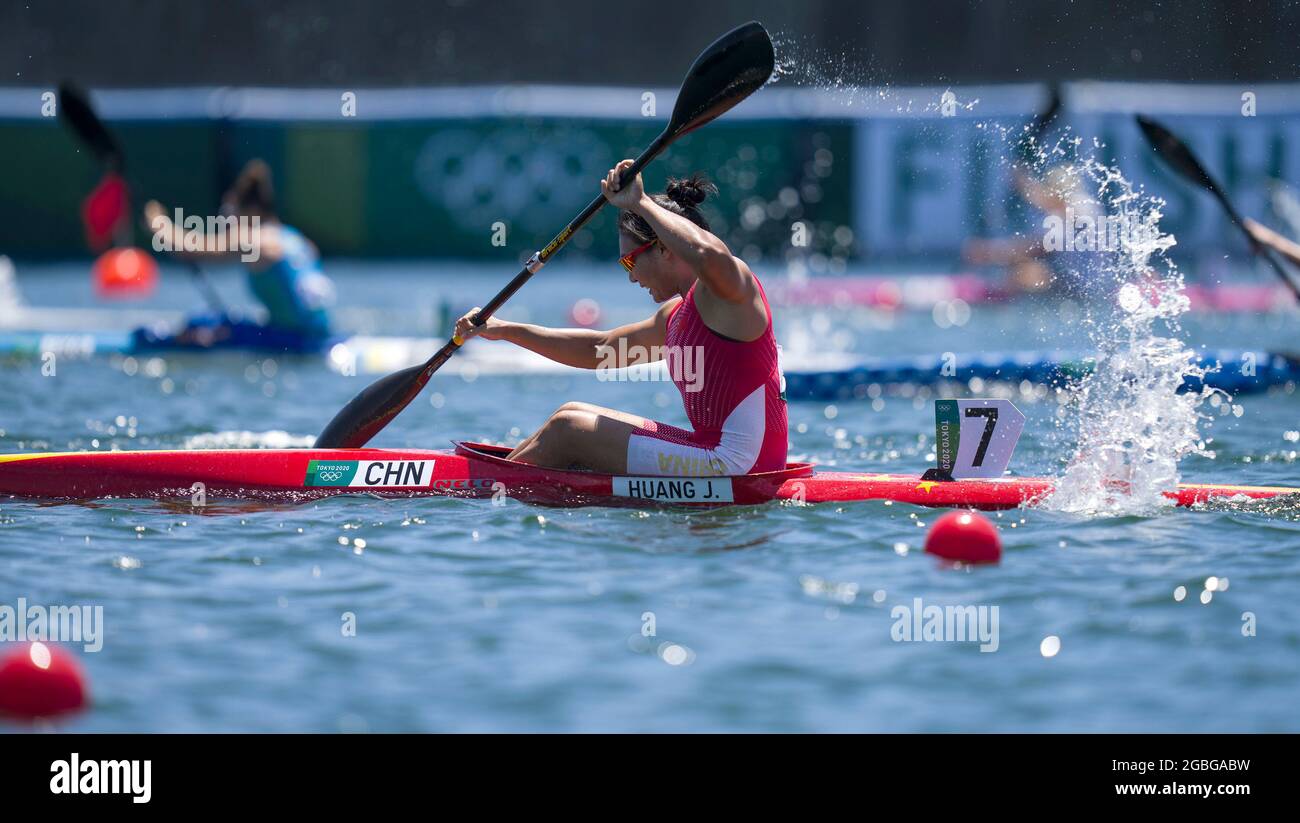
<point x="681" y="196"/>
<point x="690" y="191"/>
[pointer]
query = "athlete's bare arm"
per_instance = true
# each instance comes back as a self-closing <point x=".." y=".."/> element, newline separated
<point x="581" y="348"/>
<point x="1268" y="237"/>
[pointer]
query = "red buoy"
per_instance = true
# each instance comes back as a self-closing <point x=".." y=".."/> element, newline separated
<point x="125" y="272"/>
<point x="966" y="536"/>
<point x="38" y="680"/>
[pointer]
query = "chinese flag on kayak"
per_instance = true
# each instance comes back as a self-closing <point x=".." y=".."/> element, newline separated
<point x="105" y="211"/>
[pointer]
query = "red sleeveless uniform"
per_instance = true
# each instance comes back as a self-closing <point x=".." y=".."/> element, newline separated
<point x="732" y="391"/>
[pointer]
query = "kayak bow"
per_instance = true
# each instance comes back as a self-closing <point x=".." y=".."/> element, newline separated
<point x="477" y="470"/>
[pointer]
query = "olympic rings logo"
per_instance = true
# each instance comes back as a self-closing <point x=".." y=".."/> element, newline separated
<point x="329" y="476"/>
<point x="481" y="175"/>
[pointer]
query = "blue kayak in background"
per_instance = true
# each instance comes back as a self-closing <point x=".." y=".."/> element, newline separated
<point x="208" y="332"/>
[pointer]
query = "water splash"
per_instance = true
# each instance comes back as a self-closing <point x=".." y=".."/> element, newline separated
<point x="801" y="61"/>
<point x="1129" y="422"/>
<point x="849" y="78"/>
<point x="1126" y="425"/>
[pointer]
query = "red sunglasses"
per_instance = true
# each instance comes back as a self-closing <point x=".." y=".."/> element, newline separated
<point x="629" y="260"/>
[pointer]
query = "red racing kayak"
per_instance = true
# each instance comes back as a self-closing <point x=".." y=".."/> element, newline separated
<point x="477" y="470"/>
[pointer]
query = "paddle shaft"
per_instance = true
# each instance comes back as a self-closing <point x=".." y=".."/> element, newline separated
<point x="204" y="285"/>
<point x="1256" y="246"/>
<point x="539" y="259"/>
<point x="1180" y="158"/>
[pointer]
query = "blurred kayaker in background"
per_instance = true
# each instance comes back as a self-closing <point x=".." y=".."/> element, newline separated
<point x="1030" y="267"/>
<point x="284" y="273"/>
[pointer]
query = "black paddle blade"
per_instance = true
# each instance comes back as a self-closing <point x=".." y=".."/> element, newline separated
<point x="734" y="67"/>
<point x="1045" y="117"/>
<point x="372" y="409"/>
<point x="77" y="113"/>
<point x="1180" y="158"/>
<point x="1176" y="153"/>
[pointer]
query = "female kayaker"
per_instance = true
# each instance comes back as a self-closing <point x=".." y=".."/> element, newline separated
<point x="714" y="329"/>
<point x="285" y="275"/>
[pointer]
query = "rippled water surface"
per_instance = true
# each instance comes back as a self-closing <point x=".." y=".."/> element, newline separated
<point x="472" y="617"/>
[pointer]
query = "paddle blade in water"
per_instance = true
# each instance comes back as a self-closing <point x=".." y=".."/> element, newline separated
<point x="734" y="67"/>
<point x="77" y="113"/>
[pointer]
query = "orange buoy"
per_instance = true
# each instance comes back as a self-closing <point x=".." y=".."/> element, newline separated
<point x="124" y="273"/>
<point x="966" y="536"/>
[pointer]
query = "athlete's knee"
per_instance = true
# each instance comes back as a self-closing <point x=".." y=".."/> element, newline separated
<point x="566" y="420"/>
<point x="572" y="417"/>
